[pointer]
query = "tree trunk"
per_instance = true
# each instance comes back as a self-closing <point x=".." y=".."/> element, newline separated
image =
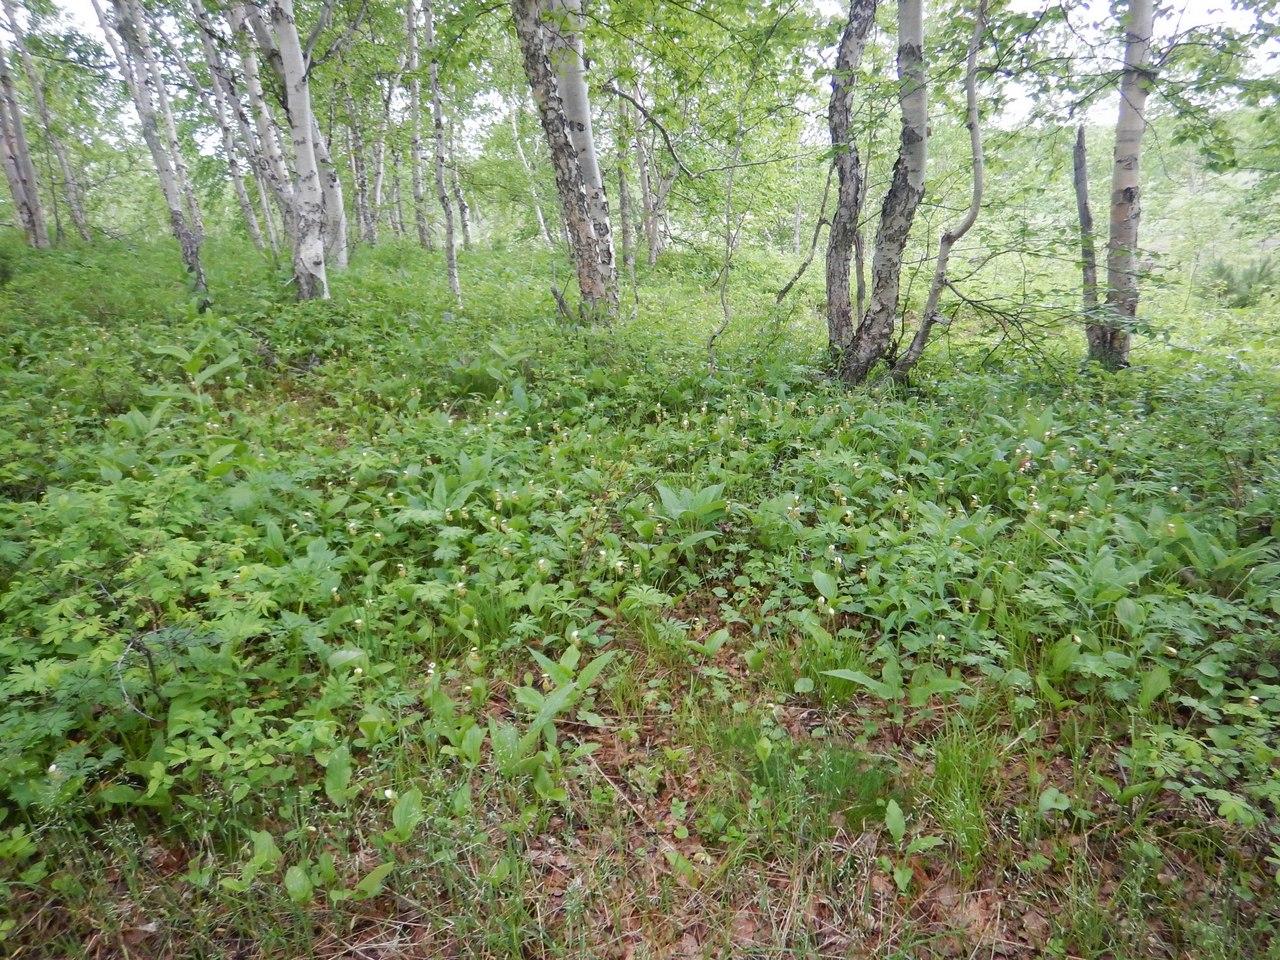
<point x="397" y="197"/>
<point x="153" y="78"/>
<point x="309" y="249"/>
<point x="126" y="30"/>
<point x="849" y="176"/>
<point x="1088" y="250"/>
<point x="258" y="130"/>
<point x="415" y="128"/>
<point x="360" y="176"/>
<point x="931" y="316"/>
<point x="597" y="280"/>
<point x="335" y="211"/>
<point x="533" y="181"/>
<point x="380" y="144"/>
<point x="437" y="120"/>
<point x="19" y="169"/>
<point x="564" y="29"/>
<point x="1109" y="342"/>
<point x="648" y="208"/>
<point x="70" y="186"/>
<point x="214" y="102"/>
<point x="871" y="339"/>
<point x="464" y="211"/>
<point x="624" y="197"/>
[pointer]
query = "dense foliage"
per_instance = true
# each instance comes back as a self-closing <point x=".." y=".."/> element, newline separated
<point x="374" y="621"/>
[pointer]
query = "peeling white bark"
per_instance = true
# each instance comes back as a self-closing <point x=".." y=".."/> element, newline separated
<point x="1109" y="342"/>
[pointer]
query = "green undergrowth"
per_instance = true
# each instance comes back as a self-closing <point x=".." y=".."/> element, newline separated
<point x="476" y="629"/>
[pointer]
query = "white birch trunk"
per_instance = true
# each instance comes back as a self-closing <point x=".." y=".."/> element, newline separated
<point x="564" y="25"/>
<point x="1084" y="212"/>
<point x="648" y="209"/>
<point x="528" y="172"/>
<point x="416" y="161"/>
<point x="437" y="121"/>
<point x="335" y="210"/>
<point x="258" y="131"/>
<point x="309" y="267"/>
<point x="19" y="169"/>
<point x="850" y="176"/>
<point x="365" y="225"/>
<point x="950" y="237"/>
<point x="215" y="105"/>
<point x="871" y="339"/>
<point x="70" y="185"/>
<point x="464" y="211"/>
<point x="597" y="280"/>
<point x="153" y="78"/>
<point x="1109" y="342"/>
<point x="125" y="31"/>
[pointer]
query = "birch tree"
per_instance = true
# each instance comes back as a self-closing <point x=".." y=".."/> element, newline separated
<point x="514" y="116"/>
<point x="597" y="278"/>
<point x="126" y="42"/>
<point x="1109" y="340"/>
<point x="35" y="82"/>
<point x="213" y="99"/>
<point x="563" y="22"/>
<point x="19" y="170"/>
<point x="309" y="222"/>
<point x="859" y="350"/>
<point x="849" y="175"/>
<point x="437" y="135"/>
<point x="416" y="161"/>
<point x="930" y="316"/>
<point x="1084" y="212"/>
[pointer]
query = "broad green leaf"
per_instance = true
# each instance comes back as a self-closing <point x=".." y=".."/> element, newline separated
<point x="373" y="881"/>
<point x="826" y="584"/>
<point x="337" y="776"/>
<point x="902" y="877"/>
<point x="882" y="690"/>
<point x="1131" y="615"/>
<point x="1053" y="799"/>
<point x="407" y="813"/>
<point x="1154" y="682"/>
<point x="588" y="674"/>
<point x="297" y="883"/>
<point x="265" y="851"/>
<point x="894" y="820"/>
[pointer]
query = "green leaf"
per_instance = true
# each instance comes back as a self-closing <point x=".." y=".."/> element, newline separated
<point x="469" y="748"/>
<point x="337" y="776"/>
<point x="588" y="674"/>
<point x="208" y="372"/>
<point x="923" y="844"/>
<point x="902" y="877"/>
<point x="119" y="793"/>
<point x="826" y="584"/>
<point x="340" y="658"/>
<point x="373" y="881"/>
<point x="764" y="749"/>
<point x="1154" y="682"/>
<point x="1131" y="614"/>
<point x="882" y="690"/>
<point x="265" y="851"/>
<point x="407" y="813"/>
<point x="895" y="822"/>
<point x="298" y="885"/>
<point x="1053" y="799"/>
